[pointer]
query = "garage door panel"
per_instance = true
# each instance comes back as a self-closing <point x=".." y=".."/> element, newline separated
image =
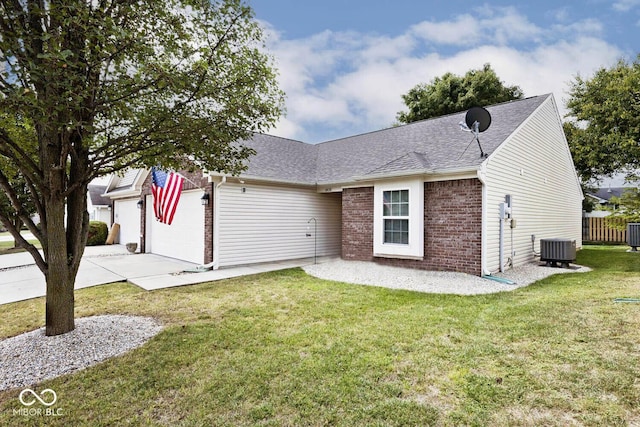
<point x="184" y="238"/>
<point x="127" y="215"/>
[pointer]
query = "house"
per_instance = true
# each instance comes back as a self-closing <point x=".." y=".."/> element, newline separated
<point x="124" y="192"/>
<point x="419" y="196"/>
<point x="604" y="192"/>
<point x="601" y="199"/>
<point x="98" y="206"/>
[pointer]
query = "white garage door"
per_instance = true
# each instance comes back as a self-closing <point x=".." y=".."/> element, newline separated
<point x="127" y="215"/>
<point x="184" y="238"/>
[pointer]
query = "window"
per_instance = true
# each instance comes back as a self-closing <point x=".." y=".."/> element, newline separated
<point x="398" y="219"/>
<point x="395" y="214"/>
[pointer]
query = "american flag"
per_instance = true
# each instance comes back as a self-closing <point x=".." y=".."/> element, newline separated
<point x="166" y="189"/>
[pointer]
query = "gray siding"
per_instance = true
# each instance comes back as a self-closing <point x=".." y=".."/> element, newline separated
<point x="270" y="223"/>
<point x="534" y="165"/>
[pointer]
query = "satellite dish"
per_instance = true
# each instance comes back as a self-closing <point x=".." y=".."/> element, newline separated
<point x="477" y="120"/>
<point x="480" y="116"/>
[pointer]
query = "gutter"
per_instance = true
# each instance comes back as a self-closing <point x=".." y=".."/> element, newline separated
<point x="122" y="194"/>
<point x="268" y="180"/>
<point x="483" y="238"/>
<point x="216" y="223"/>
<point x="404" y="174"/>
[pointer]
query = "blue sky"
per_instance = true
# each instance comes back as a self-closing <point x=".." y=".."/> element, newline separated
<point x="345" y="64"/>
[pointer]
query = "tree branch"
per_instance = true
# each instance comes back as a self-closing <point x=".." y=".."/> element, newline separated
<point x="18" y="156"/>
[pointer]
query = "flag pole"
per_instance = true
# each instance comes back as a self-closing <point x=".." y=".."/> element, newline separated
<point x="188" y="180"/>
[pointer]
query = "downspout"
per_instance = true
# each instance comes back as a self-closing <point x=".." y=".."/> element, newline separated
<point x="483" y="239"/>
<point x="216" y="223"/>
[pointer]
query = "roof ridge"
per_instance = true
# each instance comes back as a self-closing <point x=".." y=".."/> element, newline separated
<point x="432" y="119"/>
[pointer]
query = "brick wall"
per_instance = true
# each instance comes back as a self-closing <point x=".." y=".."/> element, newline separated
<point x="452" y="227"/>
<point x="357" y="224"/>
<point x="208" y="225"/>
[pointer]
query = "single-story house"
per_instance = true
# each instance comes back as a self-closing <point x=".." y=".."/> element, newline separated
<point x="98" y="206"/>
<point x="124" y="192"/>
<point x="601" y="197"/>
<point x="419" y="195"/>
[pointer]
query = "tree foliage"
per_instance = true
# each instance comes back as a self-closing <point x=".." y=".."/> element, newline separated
<point x="603" y="127"/>
<point x="110" y="84"/>
<point x="20" y="130"/>
<point x="628" y="208"/>
<point x="451" y="94"/>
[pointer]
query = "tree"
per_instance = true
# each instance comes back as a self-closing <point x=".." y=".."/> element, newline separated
<point x="629" y="208"/>
<point x="603" y="127"/>
<point x="110" y="84"/>
<point x="451" y="94"/>
<point x="20" y="131"/>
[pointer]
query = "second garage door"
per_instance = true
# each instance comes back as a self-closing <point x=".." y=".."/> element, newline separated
<point x="127" y="215"/>
<point x="184" y="238"/>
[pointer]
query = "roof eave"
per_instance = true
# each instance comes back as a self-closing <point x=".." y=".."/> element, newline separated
<point x="243" y="177"/>
<point x="417" y="172"/>
<point x="121" y="194"/>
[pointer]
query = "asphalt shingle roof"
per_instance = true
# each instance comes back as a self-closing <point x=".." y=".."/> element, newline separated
<point x="282" y="159"/>
<point x="96" y="193"/>
<point x="607" y="193"/>
<point x="435" y="144"/>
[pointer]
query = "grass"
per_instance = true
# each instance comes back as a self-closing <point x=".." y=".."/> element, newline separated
<point x="7" y="247"/>
<point x="286" y="349"/>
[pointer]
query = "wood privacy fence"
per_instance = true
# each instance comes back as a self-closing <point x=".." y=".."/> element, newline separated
<point x="600" y="230"/>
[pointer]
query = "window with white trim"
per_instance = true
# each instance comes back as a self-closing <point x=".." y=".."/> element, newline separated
<point x="398" y="219"/>
<point x="395" y="216"/>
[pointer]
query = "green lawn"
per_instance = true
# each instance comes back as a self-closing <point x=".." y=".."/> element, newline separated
<point x="287" y="349"/>
<point x="6" y="247"/>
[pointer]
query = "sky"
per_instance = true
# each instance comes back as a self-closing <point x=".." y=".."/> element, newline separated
<point x="344" y="64"/>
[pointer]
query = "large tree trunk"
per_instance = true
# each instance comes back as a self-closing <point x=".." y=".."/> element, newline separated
<point x="67" y="222"/>
<point x="60" y="303"/>
<point x="60" y="282"/>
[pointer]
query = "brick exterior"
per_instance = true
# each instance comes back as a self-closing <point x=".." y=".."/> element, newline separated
<point x="357" y="224"/>
<point x="208" y="224"/>
<point x="187" y="185"/>
<point x="452" y="227"/>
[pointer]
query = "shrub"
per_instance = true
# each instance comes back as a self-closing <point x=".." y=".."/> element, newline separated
<point x="98" y="231"/>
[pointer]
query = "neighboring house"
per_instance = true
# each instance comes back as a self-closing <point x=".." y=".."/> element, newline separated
<point x="601" y="198"/>
<point x="604" y="188"/>
<point x="418" y="196"/>
<point x="124" y="193"/>
<point x="98" y="205"/>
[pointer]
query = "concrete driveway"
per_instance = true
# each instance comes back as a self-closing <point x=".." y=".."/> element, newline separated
<point x="20" y="278"/>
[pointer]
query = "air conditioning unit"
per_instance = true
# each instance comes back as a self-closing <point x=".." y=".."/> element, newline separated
<point x="633" y="235"/>
<point x="561" y="251"/>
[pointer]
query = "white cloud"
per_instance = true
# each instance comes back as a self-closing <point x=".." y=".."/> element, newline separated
<point x="587" y="26"/>
<point x="561" y="14"/>
<point x="464" y="30"/>
<point x="625" y="5"/>
<point x="495" y="25"/>
<point x="339" y="84"/>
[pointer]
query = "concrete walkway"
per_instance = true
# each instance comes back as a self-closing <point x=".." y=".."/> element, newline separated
<point x="20" y="278"/>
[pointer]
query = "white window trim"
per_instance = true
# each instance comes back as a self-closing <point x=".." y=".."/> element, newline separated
<point x="415" y="248"/>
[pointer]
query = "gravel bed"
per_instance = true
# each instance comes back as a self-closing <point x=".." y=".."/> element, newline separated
<point x="370" y="273"/>
<point x="33" y="357"/>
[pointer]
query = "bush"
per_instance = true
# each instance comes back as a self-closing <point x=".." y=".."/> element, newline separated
<point x="98" y="231"/>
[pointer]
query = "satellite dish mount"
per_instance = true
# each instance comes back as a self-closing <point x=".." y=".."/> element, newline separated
<point x="476" y="120"/>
